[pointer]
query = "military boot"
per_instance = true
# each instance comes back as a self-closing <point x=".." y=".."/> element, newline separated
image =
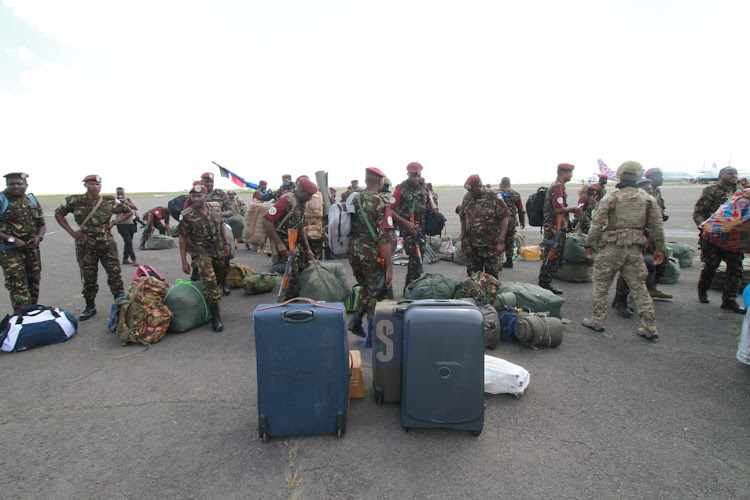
<point x="355" y="323"/>
<point x="620" y="303"/>
<point x="224" y="288"/>
<point x="89" y="312"/>
<point x="215" y="317"/>
<point x="703" y="295"/>
<point x="655" y="293"/>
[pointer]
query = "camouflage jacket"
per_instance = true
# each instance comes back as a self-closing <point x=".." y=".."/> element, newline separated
<point x="513" y="200"/>
<point x="22" y="218"/>
<point x="408" y="199"/>
<point x="378" y="213"/>
<point x="660" y="201"/>
<point x="287" y="213"/>
<point x="346" y="193"/>
<point x="203" y="232"/>
<point x="220" y="196"/>
<point x="239" y="206"/>
<point x="621" y="218"/>
<point x="96" y="229"/>
<point x="550" y="217"/>
<point x="712" y="198"/>
<point x="482" y="217"/>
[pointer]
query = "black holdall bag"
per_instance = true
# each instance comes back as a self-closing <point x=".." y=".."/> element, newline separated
<point x="535" y="207"/>
<point x="434" y="222"/>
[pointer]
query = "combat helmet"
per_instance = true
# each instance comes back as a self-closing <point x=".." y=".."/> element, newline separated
<point x="630" y="171"/>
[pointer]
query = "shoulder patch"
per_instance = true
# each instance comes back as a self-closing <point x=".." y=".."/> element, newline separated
<point x="392" y="200"/>
<point x="64" y="202"/>
<point x="272" y="211"/>
<point x="560" y="200"/>
<point x="500" y="196"/>
<point x="390" y="220"/>
<point x="186" y="211"/>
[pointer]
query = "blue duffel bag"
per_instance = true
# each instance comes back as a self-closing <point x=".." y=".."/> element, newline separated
<point x="36" y="326"/>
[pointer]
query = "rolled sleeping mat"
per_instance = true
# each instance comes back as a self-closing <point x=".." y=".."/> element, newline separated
<point x="321" y="178"/>
<point x="537" y="329"/>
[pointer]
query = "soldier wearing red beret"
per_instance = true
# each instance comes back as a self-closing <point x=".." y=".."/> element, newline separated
<point x="22" y="228"/>
<point x="94" y="243"/>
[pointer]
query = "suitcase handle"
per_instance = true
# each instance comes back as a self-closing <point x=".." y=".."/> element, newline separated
<point x="298" y="316"/>
<point x="301" y="299"/>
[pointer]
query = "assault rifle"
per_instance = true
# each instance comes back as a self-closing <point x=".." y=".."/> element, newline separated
<point x="417" y="250"/>
<point x="383" y="291"/>
<point x="552" y="244"/>
<point x="292" y="233"/>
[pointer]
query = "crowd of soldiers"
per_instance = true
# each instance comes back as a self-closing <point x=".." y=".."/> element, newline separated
<point x="625" y="226"/>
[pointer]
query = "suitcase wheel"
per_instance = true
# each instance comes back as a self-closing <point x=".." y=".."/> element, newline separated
<point x="379" y="396"/>
<point x="340" y="425"/>
<point x="476" y="433"/>
<point x="263" y="428"/>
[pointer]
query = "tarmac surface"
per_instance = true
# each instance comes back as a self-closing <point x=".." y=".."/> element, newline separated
<point x="602" y="418"/>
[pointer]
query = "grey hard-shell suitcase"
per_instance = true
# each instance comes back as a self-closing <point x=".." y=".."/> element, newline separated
<point x="387" y="346"/>
<point x="443" y="366"/>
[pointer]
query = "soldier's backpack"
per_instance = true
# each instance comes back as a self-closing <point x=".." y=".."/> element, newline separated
<point x="36" y="326"/>
<point x="535" y="207"/>
<point x="254" y="233"/>
<point x="176" y="206"/>
<point x="188" y="304"/>
<point x="236" y="274"/>
<point x="258" y="283"/>
<point x="434" y="222"/>
<point x="491" y="325"/>
<point x="481" y="287"/>
<point x="237" y="224"/>
<point x="314" y="218"/>
<point x="340" y="225"/>
<point x="142" y="318"/>
<point x="146" y="270"/>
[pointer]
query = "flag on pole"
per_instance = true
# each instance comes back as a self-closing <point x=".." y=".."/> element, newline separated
<point x="605" y="170"/>
<point x="236" y="179"/>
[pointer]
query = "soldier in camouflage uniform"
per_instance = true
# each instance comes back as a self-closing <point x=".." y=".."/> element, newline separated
<point x="411" y="199"/>
<point x="218" y="196"/>
<point x="94" y="243"/>
<point x="238" y="205"/>
<point x="22" y="228"/>
<point x="588" y="203"/>
<point x="600" y="189"/>
<point x="156" y="218"/>
<point x="556" y="212"/>
<point x="517" y="215"/>
<point x="370" y="249"/>
<point x="353" y="188"/>
<point x="712" y="198"/>
<point x="618" y="232"/>
<point x="484" y="222"/>
<point x="202" y="234"/>
<point x="656" y="176"/>
<point x="289" y="213"/>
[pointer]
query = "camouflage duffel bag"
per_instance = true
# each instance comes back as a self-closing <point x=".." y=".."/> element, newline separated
<point x="481" y="287"/>
<point x="142" y="318"/>
<point x="258" y="283"/>
<point x="236" y="274"/>
<point x="188" y="304"/>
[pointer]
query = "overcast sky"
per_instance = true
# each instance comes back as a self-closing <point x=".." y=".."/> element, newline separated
<point x="148" y="93"/>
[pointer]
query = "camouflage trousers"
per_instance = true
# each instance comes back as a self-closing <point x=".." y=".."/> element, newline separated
<point x="368" y="273"/>
<point x="211" y="271"/>
<point x="23" y="272"/>
<point x="147" y="231"/>
<point x="648" y="259"/>
<point x="711" y="256"/>
<point x="414" y="269"/>
<point x="549" y="270"/>
<point x="485" y="259"/>
<point x="510" y="236"/>
<point x="628" y="261"/>
<point x="88" y="262"/>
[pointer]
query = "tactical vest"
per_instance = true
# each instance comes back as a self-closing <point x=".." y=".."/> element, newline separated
<point x="627" y="217"/>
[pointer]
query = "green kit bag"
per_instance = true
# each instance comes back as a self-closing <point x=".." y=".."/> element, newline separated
<point x="430" y="286"/>
<point x="573" y="249"/>
<point x="536" y="298"/>
<point x="188" y="304"/>
<point x="237" y="223"/>
<point x="672" y="273"/>
<point x="575" y="272"/>
<point x="324" y="281"/>
<point x="159" y="241"/>
<point x="258" y="283"/>
<point x="481" y="287"/>
<point x="685" y="254"/>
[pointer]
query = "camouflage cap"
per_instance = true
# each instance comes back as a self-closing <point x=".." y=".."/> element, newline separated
<point x="630" y="171"/>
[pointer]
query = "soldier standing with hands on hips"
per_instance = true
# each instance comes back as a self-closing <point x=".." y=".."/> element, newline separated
<point x="202" y="234"/>
<point x="618" y="231"/>
<point x="22" y="228"/>
<point x="94" y="243"/>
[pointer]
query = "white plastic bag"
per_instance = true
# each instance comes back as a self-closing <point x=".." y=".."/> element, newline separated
<point x="503" y="377"/>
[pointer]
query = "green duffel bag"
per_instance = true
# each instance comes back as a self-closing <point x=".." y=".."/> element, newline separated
<point x="431" y="286"/>
<point x="575" y="272"/>
<point x="324" y="281"/>
<point x="573" y="249"/>
<point x="534" y="297"/>
<point x="685" y="254"/>
<point x="159" y="241"/>
<point x="230" y="240"/>
<point x="258" y="283"/>
<point x="237" y="223"/>
<point x="538" y="329"/>
<point x="351" y="300"/>
<point x="174" y="230"/>
<point x="188" y="304"/>
<point x="672" y="273"/>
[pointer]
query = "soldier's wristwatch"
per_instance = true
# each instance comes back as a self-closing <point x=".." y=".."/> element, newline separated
<point x="11" y="240"/>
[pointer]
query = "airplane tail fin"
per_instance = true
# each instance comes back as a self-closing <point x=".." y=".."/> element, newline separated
<point x="605" y="170"/>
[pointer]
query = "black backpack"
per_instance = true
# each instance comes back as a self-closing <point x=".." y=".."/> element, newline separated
<point x="434" y="222"/>
<point x="535" y="207"/>
<point x="176" y="206"/>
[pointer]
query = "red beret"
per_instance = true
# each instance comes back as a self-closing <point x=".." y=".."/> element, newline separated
<point x="566" y="166"/>
<point x="652" y="171"/>
<point x="308" y="185"/>
<point x="198" y="188"/>
<point x="92" y="178"/>
<point x="592" y="187"/>
<point x="207" y="175"/>
<point x="286" y="177"/>
<point x="472" y="182"/>
<point x="263" y="183"/>
<point x="375" y="171"/>
<point x="414" y="167"/>
<point x="16" y="175"/>
<point x="197" y="183"/>
<point x="603" y="176"/>
<point x="333" y="189"/>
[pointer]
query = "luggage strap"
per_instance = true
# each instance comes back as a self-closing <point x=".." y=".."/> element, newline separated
<point x="190" y="284"/>
<point x="302" y="299"/>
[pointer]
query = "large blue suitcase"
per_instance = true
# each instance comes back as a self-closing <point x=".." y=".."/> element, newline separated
<point x="443" y="366"/>
<point x="303" y="368"/>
